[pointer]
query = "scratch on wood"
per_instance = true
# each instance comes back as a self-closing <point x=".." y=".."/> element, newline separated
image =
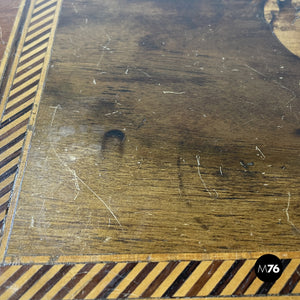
<point x="77" y="178"/>
<point x="105" y="47"/>
<point x="171" y="92"/>
<point x="287" y="213"/>
<point x="87" y="186"/>
<point x="260" y="152"/>
<point x="199" y="173"/>
<point x="54" y="113"/>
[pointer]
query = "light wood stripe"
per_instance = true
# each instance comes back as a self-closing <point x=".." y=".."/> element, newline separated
<point x="253" y="288"/>
<point x="297" y="288"/>
<point x="217" y="276"/>
<point x="51" y="10"/>
<point x="21" y="97"/>
<point x="18" y="110"/>
<point x="158" y="257"/>
<point x="31" y="62"/>
<point x="237" y="279"/>
<point x="22" y="280"/>
<point x="9" y="127"/>
<point x="279" y="284"/>
<point x="106" y="280"/>
<point x="4" y="199"/>
<point x="8" y="273"/>
<point x="62" y="282"/>
<point x="43" y="6"/>
<point x="28" y="55"/>
<point x="148" y="280"/>
<point x="11" y="150"/>
<point x="41" y="281"/>
<point x="6" y="182"/>
<point x="28" y="73"/>
<point x="32" y="81"/>
<point x="15" y="135"/>
<point x="39" y="8"/>
<point x="36" y="25"/>
<point x="169" y="280"/>
<point x="127" y="280"/>
<point x="43" y="40"/>
<point x="38" y="2"/>
<point x="7" y="137"/>
<point x="35" y="34"/>
<point x="192" y="279"/>
<point x="74" y="291"/>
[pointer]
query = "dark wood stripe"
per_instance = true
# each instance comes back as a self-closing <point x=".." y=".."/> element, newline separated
<point x="81" y="273"/>
<point x="12" y="130"/>
<point x="10" y="157"/>
<point x="21" y="82"/>
<point x="51" y="282"/>
<point x="159" y="279"/>
<point x="195" y="289"/>
<point x="9" y="172"/>
<point x="38" y="36"/>
<point x="25" y="61"/>
<point x="3" y="269"/>
<point x="22" y="101"/>
<point x="4" y="206"/>
<point x="15" y="117"/>
<point x="44" y="9"/>
<point x="291" y="283"/>
<point x="95" y="280"/>
<point x="41" y="3"/>
<point x="2" y="227"/>
<point x="244" y="285"/>
<point x="45" y="40"/>
<point x="29" y="67"/>
<point x="13" y="278"/>
<point x="189" y="269"/>
<point x="22" y="91"/>
<point x="29" y="283"/>
<point x="227" y="277"/>
<point x="266" y="286"/>
<point x="42" y="18"/>
<point x="137" y="280"/>
<point x="39" y="28"/>
<point x="3" y="192"/>
<point x="116" y="281"/>
<point x="13" y="142"/>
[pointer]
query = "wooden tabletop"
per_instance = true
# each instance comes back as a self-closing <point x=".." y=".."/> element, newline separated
<point x="152" y="144"/>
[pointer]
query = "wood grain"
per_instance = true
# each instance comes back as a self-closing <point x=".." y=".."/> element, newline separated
<point x="207" y="100"/>
<point x="8" y="11"/>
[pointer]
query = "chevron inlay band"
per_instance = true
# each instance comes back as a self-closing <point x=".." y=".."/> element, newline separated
<point x="161" y="279"/>
<point x="21" y="96"/>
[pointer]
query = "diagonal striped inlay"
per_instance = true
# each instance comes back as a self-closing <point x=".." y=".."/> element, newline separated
<point x="144" y="279"/>
<point x="21" y="95"/>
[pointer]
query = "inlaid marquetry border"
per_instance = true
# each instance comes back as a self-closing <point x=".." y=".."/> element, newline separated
<point x="136" y="276"/>
<point x="20" y="99"/>
<point x="156" y="276"/>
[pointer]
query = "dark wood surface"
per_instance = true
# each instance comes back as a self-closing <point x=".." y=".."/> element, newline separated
<point x="8" y="11"/>
<point x="203" y="101"/>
